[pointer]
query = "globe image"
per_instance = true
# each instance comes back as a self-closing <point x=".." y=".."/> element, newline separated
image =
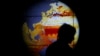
<point x="42" y="22"/>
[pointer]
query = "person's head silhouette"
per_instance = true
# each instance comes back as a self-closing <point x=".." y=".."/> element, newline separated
<point x="66" y="33"/>
<point x="61" y="46"/>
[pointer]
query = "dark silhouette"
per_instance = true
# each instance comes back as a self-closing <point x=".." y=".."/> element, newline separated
<point x="61" y="47"/>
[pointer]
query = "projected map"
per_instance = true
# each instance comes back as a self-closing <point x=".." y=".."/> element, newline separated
<point x="41" y="31"/>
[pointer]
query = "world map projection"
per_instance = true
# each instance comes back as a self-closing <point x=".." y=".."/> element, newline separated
<point x="42" y="23"/>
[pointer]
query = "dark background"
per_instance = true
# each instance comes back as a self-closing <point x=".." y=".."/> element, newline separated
<point x="13" y="43"/>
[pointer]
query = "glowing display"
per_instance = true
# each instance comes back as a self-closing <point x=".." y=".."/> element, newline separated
<point x="39" y="33"/>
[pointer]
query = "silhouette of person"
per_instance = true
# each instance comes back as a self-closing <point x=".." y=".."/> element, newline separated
<point x="61" y="47"/>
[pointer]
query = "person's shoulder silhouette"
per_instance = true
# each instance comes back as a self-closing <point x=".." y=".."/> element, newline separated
<point x="61" y="47"/>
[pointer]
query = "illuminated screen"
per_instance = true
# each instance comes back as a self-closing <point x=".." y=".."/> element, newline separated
<point x="42" y="23"/>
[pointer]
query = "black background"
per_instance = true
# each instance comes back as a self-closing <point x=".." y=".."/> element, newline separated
<point x="13" y="43"/>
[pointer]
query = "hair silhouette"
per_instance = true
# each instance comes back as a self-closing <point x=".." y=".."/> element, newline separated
<point x="61" y="47"/>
